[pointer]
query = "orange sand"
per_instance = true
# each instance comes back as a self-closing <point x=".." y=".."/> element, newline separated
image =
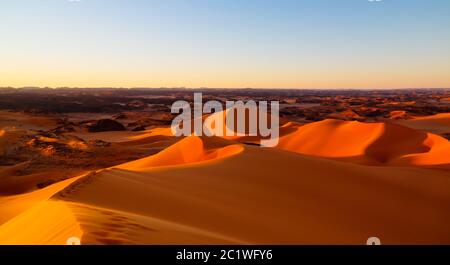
<point x="329" y="182"/>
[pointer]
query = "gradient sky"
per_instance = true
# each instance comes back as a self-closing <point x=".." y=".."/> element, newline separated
<point x="225" y="43"/>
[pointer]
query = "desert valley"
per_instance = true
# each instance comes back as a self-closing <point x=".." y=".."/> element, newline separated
<point x="102" y="165"/>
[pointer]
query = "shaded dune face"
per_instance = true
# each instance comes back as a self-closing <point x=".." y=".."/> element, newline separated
<point x="330" y="138"/>
<point x="439" y="154"/>
<point x="396" y="141"/>
<point x="366" y="143"/>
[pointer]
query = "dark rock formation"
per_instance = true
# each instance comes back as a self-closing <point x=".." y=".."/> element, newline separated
<point x="106" y="125"/>
<point x="139" y="128"/>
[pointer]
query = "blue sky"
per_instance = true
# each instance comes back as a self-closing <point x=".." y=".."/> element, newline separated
<point x="225" y="43"/>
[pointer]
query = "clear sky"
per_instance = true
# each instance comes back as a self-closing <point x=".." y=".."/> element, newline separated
<point x="225" y="43"/>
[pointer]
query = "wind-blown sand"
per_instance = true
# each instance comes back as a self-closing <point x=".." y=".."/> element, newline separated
<point x="329" y="182"/>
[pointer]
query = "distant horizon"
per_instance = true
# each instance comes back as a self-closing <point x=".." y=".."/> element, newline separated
<point x="231" y="88"/>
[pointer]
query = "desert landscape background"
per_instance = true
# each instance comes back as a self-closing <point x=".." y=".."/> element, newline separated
<point x="103" y="166"/>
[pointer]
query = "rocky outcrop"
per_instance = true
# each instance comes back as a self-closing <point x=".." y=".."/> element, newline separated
<point x="106" y="125"/>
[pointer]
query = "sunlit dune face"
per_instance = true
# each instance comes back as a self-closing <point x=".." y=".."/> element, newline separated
<point x="186" y="151"/>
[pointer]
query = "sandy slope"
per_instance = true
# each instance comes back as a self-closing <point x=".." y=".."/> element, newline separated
<point x="32" y="218"/>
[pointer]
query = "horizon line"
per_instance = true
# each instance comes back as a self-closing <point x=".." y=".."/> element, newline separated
<point x="218" y="88"/>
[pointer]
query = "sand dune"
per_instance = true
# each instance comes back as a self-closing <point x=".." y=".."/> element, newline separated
<point x="13" y="205"/>
<point x="49" y="222"/>
<point x="439" y="153"/>
<point x="382" y="143"/>
<point x="243" y="197"/>
<point x="367" y="143"/>
<point x="189" y="150"/>
<point x="328" y="182"/>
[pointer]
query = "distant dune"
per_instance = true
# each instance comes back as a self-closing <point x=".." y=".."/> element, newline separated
<point x="367" y="143"/>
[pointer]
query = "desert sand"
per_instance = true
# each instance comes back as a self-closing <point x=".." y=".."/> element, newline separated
<point x="327" y="182"/>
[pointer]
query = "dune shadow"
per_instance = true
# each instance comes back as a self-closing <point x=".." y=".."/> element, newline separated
<point x="396" y="141"/>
